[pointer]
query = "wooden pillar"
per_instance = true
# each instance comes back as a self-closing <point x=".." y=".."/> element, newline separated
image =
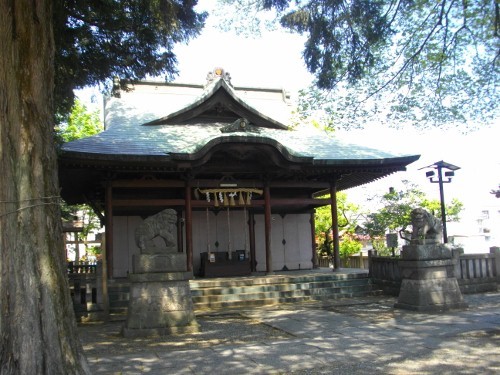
<point x="267" y="225"/>
<point x="104" y="281"/>
<point x="189" y="226"/>
<point x="314" y="258"/>
<point x="251" y="234"/>
<point x="180" y="239"/>
<point x="109" y="230"/>
<point x="335" y="226"/>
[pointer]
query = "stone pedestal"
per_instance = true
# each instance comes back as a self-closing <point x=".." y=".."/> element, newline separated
<point x="160" y="298"/>
<point x="428" y="279"/>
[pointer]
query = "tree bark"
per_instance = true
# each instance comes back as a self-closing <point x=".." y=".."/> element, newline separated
<point x="38" y="332"/>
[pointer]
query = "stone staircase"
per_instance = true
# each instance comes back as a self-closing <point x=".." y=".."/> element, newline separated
<point x="119" y="294"/>
<point x="237" y="292"/>
<point x="212" y="294"/>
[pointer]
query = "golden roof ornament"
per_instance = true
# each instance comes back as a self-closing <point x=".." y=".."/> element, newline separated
<point x="217" y="73"/>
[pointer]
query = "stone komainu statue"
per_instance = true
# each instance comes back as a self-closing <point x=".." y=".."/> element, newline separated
<point x="162" y="224"/>
<point x="426" y="228"/>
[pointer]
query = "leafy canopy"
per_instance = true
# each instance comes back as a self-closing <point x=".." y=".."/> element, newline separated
<point x="98" y="39"/>
<point x="395" y="213"/>
<point x="427" y="62"/>
<point x="347" y="214"/>
<point x="81" y="123"/>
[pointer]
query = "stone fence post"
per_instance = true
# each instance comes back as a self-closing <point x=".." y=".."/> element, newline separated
<point x="455" y="256"/>
<point x="496" y="251"/>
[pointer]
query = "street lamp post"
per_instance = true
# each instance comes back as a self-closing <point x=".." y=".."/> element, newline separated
<point x="440" y="165"/>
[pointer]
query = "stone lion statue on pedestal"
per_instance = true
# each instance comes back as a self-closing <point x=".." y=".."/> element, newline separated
<point x="162" y="224"/>
<point x="426" y="228"/>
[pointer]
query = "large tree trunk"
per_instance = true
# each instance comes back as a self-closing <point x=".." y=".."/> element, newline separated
<point x="37" y="325"/>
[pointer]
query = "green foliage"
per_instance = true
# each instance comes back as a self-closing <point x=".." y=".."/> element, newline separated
<point x="342" y="37"/>
<point x="98" y="39"/>
<point x="81" y="123"/>
<point x="349" y="246"/>
<point x="94" y="250"/>
<point x="81" y="212"/>
<point x="395" y="214"/>
<point x="379" y="244"/>
<point x="453" y="209"/>
<point x="424" y="62"/>
<point x="347" y="214"/>
<point x="249" y="18"/>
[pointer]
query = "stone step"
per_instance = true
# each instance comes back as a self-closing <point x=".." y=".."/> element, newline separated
<point x="282" y="287"/>
<point x="119" y="294"/>
<point x="275" y="279"/>
<point x="227" y="297"/>
<point x="210" y="294"/>
<point x="218" y="294"/>
<point x="216" y="305"/>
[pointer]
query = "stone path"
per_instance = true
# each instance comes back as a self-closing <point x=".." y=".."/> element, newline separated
<point x="352" y="336"/>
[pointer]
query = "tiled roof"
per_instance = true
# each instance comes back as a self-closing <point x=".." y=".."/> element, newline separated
<point x="128" y="135"/>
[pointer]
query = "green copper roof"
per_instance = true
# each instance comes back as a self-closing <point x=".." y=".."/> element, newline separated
<point x="182" y="122"/>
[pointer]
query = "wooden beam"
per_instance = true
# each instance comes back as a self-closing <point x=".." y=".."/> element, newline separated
<point x="148" y="202"/>
<point x="147" y="183"/>
<point x="203" y="203"/>
<point x="208" y="183"/>
<point x="294" y="202"/>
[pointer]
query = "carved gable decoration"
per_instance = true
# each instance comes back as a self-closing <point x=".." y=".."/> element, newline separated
<point x="240" y="125"/>
<point x="218" y="73"/>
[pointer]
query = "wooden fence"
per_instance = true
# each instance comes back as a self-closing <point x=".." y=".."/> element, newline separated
<point x="475" y="273"/>
<point x="85" y="280"/>
<point x="354" y="261"/>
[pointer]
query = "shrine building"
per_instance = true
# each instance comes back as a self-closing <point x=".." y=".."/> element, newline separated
<point x="243" y="177"/>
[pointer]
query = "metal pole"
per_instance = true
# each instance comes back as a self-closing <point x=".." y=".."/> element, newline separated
<point x="443" y="209"/>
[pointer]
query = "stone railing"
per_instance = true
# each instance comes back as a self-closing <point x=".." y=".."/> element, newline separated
<point x="85" y="283"/>
<point x="475" y="273"/>
<point x="384" y="272"/>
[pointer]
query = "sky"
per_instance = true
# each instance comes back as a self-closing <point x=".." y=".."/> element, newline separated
<point x="275" y="60"/>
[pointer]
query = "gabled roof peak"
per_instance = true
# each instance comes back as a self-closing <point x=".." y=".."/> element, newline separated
<point x="219" y="100"/>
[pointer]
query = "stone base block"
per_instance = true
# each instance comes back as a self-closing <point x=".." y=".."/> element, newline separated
<point x="159" y="307"/>
<point x="430" y="295"/>
<point x="159" y="277"/>
<point x="429" y="283"/>
<point x="426" y="252"/>
<point x="147" y="263"/>
<point x="426" y="269"/>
